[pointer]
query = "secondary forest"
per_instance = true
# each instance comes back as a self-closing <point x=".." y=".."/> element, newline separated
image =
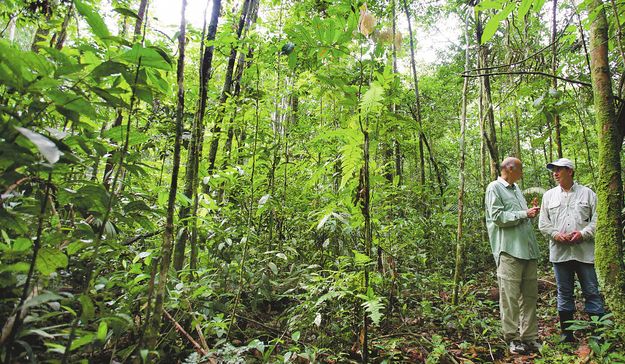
<point x="288" y="183"/>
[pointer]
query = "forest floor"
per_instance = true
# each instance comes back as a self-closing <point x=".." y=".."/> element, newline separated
<point x="452" y="335"/>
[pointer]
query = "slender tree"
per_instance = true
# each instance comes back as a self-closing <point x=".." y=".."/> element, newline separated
<point x="168" y="235"/>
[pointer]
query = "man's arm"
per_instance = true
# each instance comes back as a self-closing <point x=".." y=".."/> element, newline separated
<point x="496" y="210"/>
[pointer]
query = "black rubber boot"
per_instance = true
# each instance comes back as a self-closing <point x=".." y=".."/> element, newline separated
<point x="567" y="335"/>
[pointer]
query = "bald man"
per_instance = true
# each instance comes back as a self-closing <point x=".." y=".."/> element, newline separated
<point x="515" y="250"/>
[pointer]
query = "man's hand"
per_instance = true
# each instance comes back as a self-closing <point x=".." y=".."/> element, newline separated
<point x="575" y="237"/>
<point x="533" y="212"/>
<point x="561" y="238"/>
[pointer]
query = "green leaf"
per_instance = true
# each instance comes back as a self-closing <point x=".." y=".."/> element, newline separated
<point x="21" y="244"/>
<point x="491" y="27"/>
<point x="45" y="146"/>
<point x="524" y="8"/>
<point x="93" y="18"/>
<point x="538" y="5"/>
<point x="127" y="12"/>
<point x="110" y="99"/>
<point x="148" y="57"/>
<point x="102" y="331"/>
<point x="118" y="135"/>
<point x="295" y="336"/>
<point x="360" y="259"/>
<point x="71" y="101"/>
<point x="88" y="310"/>
<point x="371" y="100"/>
<point x="81" y="341"/>
<point x="489" y="4"/>
<point x="273" y="267"/>
<point x="49" y="260"/>
<point x="108" y="68"/>
<point x="15" y="267"/>
<point x="42" y="298"/>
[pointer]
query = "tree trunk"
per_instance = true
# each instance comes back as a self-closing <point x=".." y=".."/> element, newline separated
<point x="168" y="235"/>
<point x="62" y="34"/>
<point x="225" y="93"/>
<point x="417" y="106"/>
<point x="554" y="69"/>
<point x="609" y="236"/>
<point x="141" y="13"/>
<point x="459" y="267"/>
<point x="194" y="152"/>
<point x="489" y="133"/>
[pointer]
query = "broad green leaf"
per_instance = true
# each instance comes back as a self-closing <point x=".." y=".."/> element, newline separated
<point x="88" y="310"/>
<point x="273" y="267"/>
<point x="93" y="18"/>
<point x="360" y="259"/>
<point x="71" y="101"/>
<point x="21" y="244"/>
<point x="41" y="298"/>
<point x="15" y="267"/>
<point x="372" y="98"/>
<point x="491" y="27"/>
<point x="489" y="4"/>
<point x="108" y="68"/>
<point x="295" y="336"/>
<point x="147" y="57"/>
<point x="46" y="147"/>
<point x="81" y="341"/>
<point x="156" y="81"/>
<point x="118" y="135"/>
<point x="127" y="12"/>
<point x="110" y="99"/>
<point x="538" y="5"/>
<point x="102" y="331"/>
<point x="524" y="8"/>
<point x="49" y="260"/>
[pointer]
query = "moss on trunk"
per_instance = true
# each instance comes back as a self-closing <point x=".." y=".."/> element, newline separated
<point x="609" y="237"/>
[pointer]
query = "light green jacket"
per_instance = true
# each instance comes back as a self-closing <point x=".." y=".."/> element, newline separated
<point x="509" y="228"/>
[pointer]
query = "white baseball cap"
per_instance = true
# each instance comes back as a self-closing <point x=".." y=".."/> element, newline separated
<point x="562" y="162"/>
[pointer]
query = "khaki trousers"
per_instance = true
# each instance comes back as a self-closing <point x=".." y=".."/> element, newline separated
<point x="518" y="292"/>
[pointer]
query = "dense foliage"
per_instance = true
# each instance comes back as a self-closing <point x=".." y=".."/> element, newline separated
<point x="316" y="208"/>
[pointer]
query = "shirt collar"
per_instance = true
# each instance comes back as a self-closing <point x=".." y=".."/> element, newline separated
<point x="504" y="182"/>
<point x="573" y="187"/>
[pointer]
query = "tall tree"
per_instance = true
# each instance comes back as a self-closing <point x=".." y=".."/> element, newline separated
<point x="195" y="148"/>
<point x="168" y="235"/>
<point x="609" y="236"/>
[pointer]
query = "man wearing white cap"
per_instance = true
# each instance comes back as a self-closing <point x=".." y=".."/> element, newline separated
<point x="568" y="217"/>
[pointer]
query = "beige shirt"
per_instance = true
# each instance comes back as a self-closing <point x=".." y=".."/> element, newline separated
<point x="565" y="212"/>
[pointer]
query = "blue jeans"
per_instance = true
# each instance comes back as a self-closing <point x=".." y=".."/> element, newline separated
<point x="565" y="278"/>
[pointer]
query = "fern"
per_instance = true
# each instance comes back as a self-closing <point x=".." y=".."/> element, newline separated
<point x="373" y="305"/>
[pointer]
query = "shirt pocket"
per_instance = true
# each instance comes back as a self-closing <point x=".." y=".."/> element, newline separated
<point x="584" y="211"/>
<point x="553" y="208"/>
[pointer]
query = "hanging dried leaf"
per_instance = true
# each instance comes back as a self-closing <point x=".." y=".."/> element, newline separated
<point x="366" y="22"/>
<point x="398" y="39"/>
<point x="386" y="35"/>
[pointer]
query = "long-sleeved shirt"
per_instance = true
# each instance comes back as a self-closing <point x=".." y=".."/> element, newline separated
<point x="509" y="228"/>
<point x="565" y="212"/>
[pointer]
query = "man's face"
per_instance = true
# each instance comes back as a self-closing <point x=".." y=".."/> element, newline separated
<point x="562" y="175"/>
<point x="516" y="171"/>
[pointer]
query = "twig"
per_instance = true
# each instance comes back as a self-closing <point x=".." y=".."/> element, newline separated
<point x="582" y="83"/>
<point x="139" y="237"/>
<point x="14" y="186"/>
<point x="198" y="348"/>
<point x="490" y="351"/>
